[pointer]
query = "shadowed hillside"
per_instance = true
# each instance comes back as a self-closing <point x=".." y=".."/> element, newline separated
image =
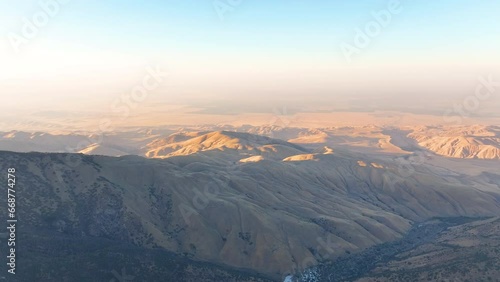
<point x="275" y="217"/>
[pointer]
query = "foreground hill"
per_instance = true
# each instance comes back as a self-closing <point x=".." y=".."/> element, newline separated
<point x="272" y="216"/>
<point x="465" y="252"/>
<point x="440" y="249"/>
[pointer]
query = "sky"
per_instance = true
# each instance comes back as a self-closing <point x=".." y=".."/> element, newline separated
<point x="222" y="53"/>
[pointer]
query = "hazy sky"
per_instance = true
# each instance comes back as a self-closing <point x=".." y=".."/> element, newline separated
<point x="87" y="53"/>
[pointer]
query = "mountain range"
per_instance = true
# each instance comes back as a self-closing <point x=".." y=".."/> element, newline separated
<point x="238" y="204"/>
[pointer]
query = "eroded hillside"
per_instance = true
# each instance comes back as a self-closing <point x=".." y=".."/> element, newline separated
<point x="275" y="216"/>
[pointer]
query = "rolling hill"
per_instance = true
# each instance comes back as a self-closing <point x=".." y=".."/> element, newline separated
<point x="279" y="214"/>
